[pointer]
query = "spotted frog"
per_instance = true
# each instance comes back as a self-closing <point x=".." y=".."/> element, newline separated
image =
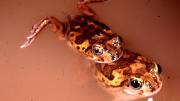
<point x="115" y="67"/>
<point x="85" y="33"/>
<point x="132" y="74"/>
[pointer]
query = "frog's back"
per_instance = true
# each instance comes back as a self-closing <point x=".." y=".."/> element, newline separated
<point x="85" y="31"/>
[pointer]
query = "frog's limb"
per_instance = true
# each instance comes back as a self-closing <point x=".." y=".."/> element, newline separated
<point x="58" y="27"/>
<point x="85" y="9"/>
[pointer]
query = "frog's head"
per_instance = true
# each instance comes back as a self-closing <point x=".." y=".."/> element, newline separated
<point x="133" y="73"/>
<point x="107" y="51"/>
<point x="94" y="39"/>
<point x="144" y="81"/>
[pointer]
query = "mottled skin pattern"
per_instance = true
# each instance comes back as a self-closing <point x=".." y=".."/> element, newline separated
<point x="115" y="67"/>
<point x="131" y="66"/>
<point x="85" y="33"/>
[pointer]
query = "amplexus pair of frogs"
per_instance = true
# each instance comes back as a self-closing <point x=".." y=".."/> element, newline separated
<point x="116" y="67"/>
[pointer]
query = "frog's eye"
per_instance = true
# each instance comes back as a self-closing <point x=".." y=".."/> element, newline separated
<point x="135" y="83"/>
<point x="159" y="68"/>
<point x="97" y="49"/>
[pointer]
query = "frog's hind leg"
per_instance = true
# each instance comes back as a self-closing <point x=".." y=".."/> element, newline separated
<point x="85" y="9"/>
<point x="58" y="27"/>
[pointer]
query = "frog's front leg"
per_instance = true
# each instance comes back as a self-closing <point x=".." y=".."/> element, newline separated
<point x="58" y="27"/>
<point x="85" y="9"/>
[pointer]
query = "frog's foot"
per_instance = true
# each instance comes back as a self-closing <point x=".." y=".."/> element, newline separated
<point x="85" y="9"/>
<point x="58" y="27"/>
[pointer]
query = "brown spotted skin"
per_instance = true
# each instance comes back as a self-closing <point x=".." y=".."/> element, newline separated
<point x="115" y="67"/>
<point x="87" y="31"/>
<point x="130" y="66"/>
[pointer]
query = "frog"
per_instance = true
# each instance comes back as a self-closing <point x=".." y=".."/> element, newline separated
<point x="85" y="33"/>
<point x="115" y="67"/>
<point x="133" y="75"/>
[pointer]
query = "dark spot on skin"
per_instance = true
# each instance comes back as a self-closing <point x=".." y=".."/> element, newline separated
<point x="75" y="29"/>
<point x="91" y="27"/>
<point x="86" y="34"/>
<point x="152" y="89"/>
<point x="103" y="79"/>
<point x="111" y="77"/>
<point x="98" y="66"/>
<point x="78" y="47"/>
<point x="92" y="41"/>
<point x="58" y="27"/>
<point x="77" y="21"/>
<point x="141" y="71"/>
<point x="83" y="24"/>
<point x="127" y="72"/>
<point x="71" y="35"/>
<point x="159" y="69"/>
<point x="89" y="32"/>
<point x="155" y="79"/>
<point x="123" y="83"/>
<point x="79" y="40"/>
<point x="138" y="75"/>
<point x="64" y="27"/>
<point x="102" y="25"/>
<point x="83" y="48"/>
<point x="113" y="57"/>
<point x="127" y="60"/>
<point x="106" y="70"/>
<point x="97" y="31"/>
<point x="88" y="48"/>
<point x="149" y="66"/>
<point x="122" y="63"/>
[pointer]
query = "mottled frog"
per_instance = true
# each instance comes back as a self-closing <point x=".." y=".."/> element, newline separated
<point x="89" y="36"/>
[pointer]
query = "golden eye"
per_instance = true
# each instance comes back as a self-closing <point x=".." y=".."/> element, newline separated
<point x="135" y="83"/>
<point x="97" y="49"/>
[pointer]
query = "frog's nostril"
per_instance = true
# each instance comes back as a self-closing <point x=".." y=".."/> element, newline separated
<point x="159" y="69"/>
